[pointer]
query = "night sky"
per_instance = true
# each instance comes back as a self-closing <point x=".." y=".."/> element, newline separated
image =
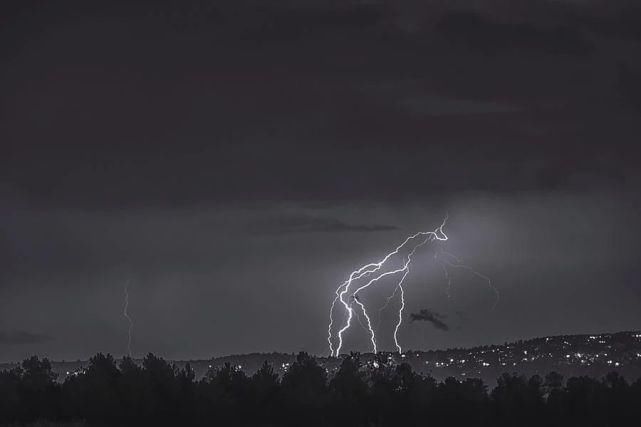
<point x="235" y="160"/>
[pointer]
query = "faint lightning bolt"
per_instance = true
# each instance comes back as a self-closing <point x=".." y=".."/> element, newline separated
<point x="400" y="287"/>
<point x="126" y="315"/>
<point x="376" y="271"/>
<point x="380" y="310"/>
<point x="446" y="273"/>
<point x="460" y="264"/>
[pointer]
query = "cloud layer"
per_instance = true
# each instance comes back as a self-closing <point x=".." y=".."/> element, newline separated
<point x="22" y="338"/>
<point x="244" y="156"/>
<point x="435" y="319"/>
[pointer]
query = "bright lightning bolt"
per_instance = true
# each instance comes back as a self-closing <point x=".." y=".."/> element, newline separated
<point x="376" y="271"/>
<point x="360" y="322"/>
<point x="412" y="243"/>
<point x="369" y="322"/>
<point x="126" y="316"/>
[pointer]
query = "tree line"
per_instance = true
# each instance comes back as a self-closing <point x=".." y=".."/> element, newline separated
<point x="125" y="393"/>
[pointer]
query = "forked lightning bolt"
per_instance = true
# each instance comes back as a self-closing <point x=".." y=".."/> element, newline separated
<point x="348" y="292"/>
<point x="374" y="269"/>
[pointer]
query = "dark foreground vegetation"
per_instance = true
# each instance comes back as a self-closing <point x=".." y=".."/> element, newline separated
<point x="158" y="393"/>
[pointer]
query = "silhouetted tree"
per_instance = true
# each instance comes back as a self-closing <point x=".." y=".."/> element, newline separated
<point x="349" y="394"/>
<point x="131" y="384"/>
<point x="304" y="390"/>
<point x="264" y="388"/>
<point x="101" y="388"/>
<point x="37" y="390"/>
<point x="518" y="401"/>
<point x="10" y="398"/>
<point x="375" y="394"/>
<point x="161" y="389"/>
<point x="553" y="392"/>
<point x="583" y="401"/>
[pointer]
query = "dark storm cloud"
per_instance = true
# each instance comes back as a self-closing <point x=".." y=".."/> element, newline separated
<point x="629" y="83"/>
<point x="432" y="317"/>
<point x="310" y="224"/>
<point x="22" y="338"/>
<point x="620" y="20"/>
<point x="477" y="32"/>
<point x="243" y="155"/>
<point x="216" y="102"/>
<point x="436" y="106"/>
